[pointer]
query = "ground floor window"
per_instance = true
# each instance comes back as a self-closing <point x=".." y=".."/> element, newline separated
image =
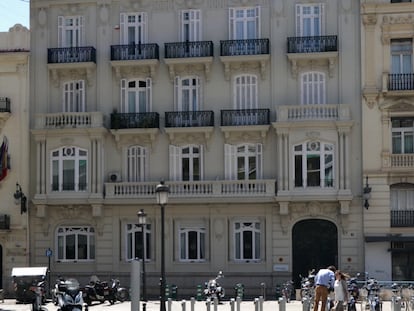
<point x="76" y="243"/>
<point x="135" y="244"/>
<point x="402" y="261"/>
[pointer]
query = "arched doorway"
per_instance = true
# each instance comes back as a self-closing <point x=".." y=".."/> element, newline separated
<point x="314" y="246"/>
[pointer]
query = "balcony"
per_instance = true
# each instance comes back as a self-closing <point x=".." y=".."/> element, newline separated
<point x="69" y="120"/>
<point x="402" y="218"/>
<point x="254" y="53"/>
<point x="79" y="60"/>
<point x="195" y="56"/>
<point x="4" y="110"/>
<point x="143" y="126"/>
<point x="398" y="84"/>
<point x="321" y="50"/>
<point x="289" y="113"/>
<point x="125" y="58"/>
<point x="185" y="126"/>
<point x="399" y="161"/>
<point x="203" y="191"/>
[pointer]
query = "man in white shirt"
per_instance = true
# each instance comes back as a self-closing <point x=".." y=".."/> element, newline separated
<point x="324" y="281"/>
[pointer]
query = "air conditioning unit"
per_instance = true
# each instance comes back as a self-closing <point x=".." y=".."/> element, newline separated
<point x="114" y="177"/>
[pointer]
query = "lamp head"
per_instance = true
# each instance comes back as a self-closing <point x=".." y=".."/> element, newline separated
<point x="142" y="217"/>
<point x="162" y="193"/>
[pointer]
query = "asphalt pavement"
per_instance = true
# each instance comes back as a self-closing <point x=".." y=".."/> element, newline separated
<point x="184" y="305"/>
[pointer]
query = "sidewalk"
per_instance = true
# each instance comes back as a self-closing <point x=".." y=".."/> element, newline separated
<point x="269" y="305"/>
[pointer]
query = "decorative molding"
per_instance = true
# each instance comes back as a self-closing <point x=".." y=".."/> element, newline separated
<point x="369" y="19"/>
<point x="371" y="96"/>
<point x="251" y="133"/>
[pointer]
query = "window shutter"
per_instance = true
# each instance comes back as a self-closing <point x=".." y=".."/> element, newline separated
<point x="198" y="25"/>
<point x="61" y="32"/>
<point x="201" y="162"/>
<point x="258" y="28"/>
<point x="181" y="26"/>
<point x="259" y="160"/>
<point x="231" y="23"/>
<point x="322" y="18"/>
<point x="122" y="30"/>
<point x="82" y="96"/>
<point x="230" y="165"/>
<point x="298" y="19"/>
<point x="149" y="95"/>
<point x="177" y="93"/>
<point x="144" y="33"/>
<point x="123" y="96"/>
<point x="81" y="31"/>
<point x="175" y="163"/>
<point x="146" y="165"/>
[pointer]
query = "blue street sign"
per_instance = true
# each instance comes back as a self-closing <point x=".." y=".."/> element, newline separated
<point x="48" y="252"/>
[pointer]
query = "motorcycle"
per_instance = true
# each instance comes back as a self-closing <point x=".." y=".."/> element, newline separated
<point x="213" y="289"/>
<point x="58" y="290"/>
<point x="353" y="293"/>
<point x="116" y="292"/>
<point x="70" y="297"/>
<point x="96" y="290"/>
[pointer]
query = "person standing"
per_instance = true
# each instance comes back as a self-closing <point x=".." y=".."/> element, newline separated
<point x="340" y="290"/>
<point x="324" y="281"/>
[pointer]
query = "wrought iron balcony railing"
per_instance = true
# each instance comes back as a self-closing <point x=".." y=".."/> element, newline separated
<point x="317" y="44"/>
<point x="189" y="118"/>
<point x="402" y="218"/>
<point x="71" y="55"/>
<point x="244" y="47"/>
<point x="245" y="117"/>
<point x="135" y="120"/>
<point x="401" y="82"/>
<point x="135" y="51"/>
<point x="4" y="104"/>
<point x="189" y="49"/>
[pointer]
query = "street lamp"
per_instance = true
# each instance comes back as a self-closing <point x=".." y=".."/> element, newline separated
<point x="142" y="222"/>
<point x="20" y="197"/>
<point x="161" y="192"/>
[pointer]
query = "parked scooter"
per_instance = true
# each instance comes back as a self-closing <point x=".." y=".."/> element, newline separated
<point x="116" y="292"/>
<point x="213" y="289"/>
<point x="96" y="290"/>
<point x="70" y="297"/>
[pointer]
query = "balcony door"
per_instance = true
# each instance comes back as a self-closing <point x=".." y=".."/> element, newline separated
<point x="309" y="20"/>
<point x="133" y="28"/>
<point x="190" y="26"/>
<point x="70" y="31"/>
<point x="401" y="56"/>
<point x="244" y="23"/>
<point x="135" y="95"/>
<point x="188" y="93"/>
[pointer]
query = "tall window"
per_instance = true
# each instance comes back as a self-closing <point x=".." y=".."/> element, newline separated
<point x="188" y="93"/>
<point x="136" y="163"/>
<point x="190" y="26"/>
<point x="401" y="56"/>
<point x="133" y="28"/>
<point x="245" y="92"/>
<point x="314" y="164"/>
<point x="192" y="243"/>
<point x="70" y="31"/>
<point x="402" y="135"/>
<point x="402" y="197"/>
<point x="74" y="96"/>
<point x="75" y="243"/>
<point x="309" y="20"/>
<point x="244" y="161"/>
<point x="244" y="23"/>
<point x="186" y="162"/>
<point x="69" y="169"/>
<point x="313" y="88"/>
<point x="247" y="239"/>
<point x="136" y="95"/>
<point x="134" y="247"/>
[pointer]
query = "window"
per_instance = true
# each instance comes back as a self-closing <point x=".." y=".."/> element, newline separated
<point x="188" y="93"/>
<point x="71" y="31"/>
<point x="398" y="1"/>
<point x="134" y="247"/>
<point x="133" y="28"/>
<point x="309" y="20"/>
<point x="245" y="92"/>
<point x="314" y="164"/>
<point x="136" y="95"/>
<point x="402" y="197"/>
<point x="69" y="169"/>
<point x="75" y="243"/>
<point x="190" y="26"/>
<point x="192" y="243"/>
<point x="244" y="23"/>
<point x="136" y="163"/>
<point x="186" y="162"/>
<point x="402" y="260"/>
<point x="243" y="162"/>
<point x="401" y="56"/>
<point x="313" y="88"/>
<point x="402" y="135"/>
<point x="247" y="240"/>
<point x="74" y="96"/>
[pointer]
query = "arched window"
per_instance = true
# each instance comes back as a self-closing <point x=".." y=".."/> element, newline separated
<point x="313" y="88"/>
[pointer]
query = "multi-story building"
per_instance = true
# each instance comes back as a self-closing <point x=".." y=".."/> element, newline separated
<point x="387" y="129"/>
<point x="14" y="151"/>
<point x="248" y="110"/>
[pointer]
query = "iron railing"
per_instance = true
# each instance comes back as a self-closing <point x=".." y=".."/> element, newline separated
<point x="400" y="81"/>
<point x="245" y="117"/>
<point x="135" y="51"/>
<point x="402" y="218"/>
<point x="135" y="120"/>
<point x="189" y="49"/>
<point x="244" y="47"/>
<point x="71" y="55"/>
<point x="189" y="118"/>
<point x="315" y="44"/>
<point x="4" y="104"/>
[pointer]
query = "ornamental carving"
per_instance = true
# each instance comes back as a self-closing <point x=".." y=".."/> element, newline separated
<point x="369" y="19"/>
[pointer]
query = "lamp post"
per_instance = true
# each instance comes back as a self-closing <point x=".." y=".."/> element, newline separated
<point x="20" y="197"/>
<point x="162" y="199"/>
<point x="367" y="194"/>
<point x="142" y="222"/>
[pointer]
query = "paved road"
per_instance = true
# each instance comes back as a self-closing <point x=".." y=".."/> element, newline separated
<point x="270" y="305"/>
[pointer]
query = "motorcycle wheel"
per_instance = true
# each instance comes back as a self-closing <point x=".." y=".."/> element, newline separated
<point x="122" y="295"/>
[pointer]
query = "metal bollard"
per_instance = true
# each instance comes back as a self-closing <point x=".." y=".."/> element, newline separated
<point x="192" y="303"/>
<point x="169" y="304"/>
<point x="208" y="304"/>
<point x="238" y="301"/>
<point x="232" y="304"/>
<point x="183" y="305"/>
<point x="215" y="301"/>
<point x="305" y="304"/>
<point x="263" y="285"/>
<point x="282" y="304"/>
<point x="395" y="304"/>
<point x="144" y="306"/>
<point x="260" y="303"/>
<point x="256" y="304"/>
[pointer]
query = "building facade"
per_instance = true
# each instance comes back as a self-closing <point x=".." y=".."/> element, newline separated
<point x="387" y="110"/>
<point x="250" y="111"/>
<point x="14" y="151"/>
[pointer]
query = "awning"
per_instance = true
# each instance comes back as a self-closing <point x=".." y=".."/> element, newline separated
<point x="389" y="238"/>
<point x="28" y="271"/>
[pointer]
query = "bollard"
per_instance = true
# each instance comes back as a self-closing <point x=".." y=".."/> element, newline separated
<point x="199" y="293"/>
<point x="192" y="303"/>
<point x="260" y="303"/>
<point x="305" y="304"/>
<point x="215" y="301"/>
<point x="282" y="304"/>
<point x="135" y="285"/>
<point x="208" y="304"/>
<point x="232" y="304"/>
<point x="144" y="306"/>
<point x="169" y="304"/>
<point x="256" y="304"/>
<point x="238" y="301"/>
<point x="183" y="305"/>
<point x="395" y="304"/>
<point x="263" y="285"/>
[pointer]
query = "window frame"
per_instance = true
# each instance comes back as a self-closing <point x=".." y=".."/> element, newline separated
<point x="257" y="247"/>
<point x="245" y="19"/>
<point x="232" y="155"/>
<point x="190" y="28"/>
<point x="177" y="166"/>
<point x="61" y="253"/>
<point x="133" y="239"/>
<point x="136" y="163"/>
<point x="77" y="31"/>
<point x="73" y="96"/>
<point x="402" y="130"/>
<point x="317" y="27"/>
<point x="139" y="25"/>
<point x="313" y="88"/>
<point x="137" y="90"/>
<point x="245" y="91"/>
<point x="194" y="89"/>
<point x="184" y="242"/>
